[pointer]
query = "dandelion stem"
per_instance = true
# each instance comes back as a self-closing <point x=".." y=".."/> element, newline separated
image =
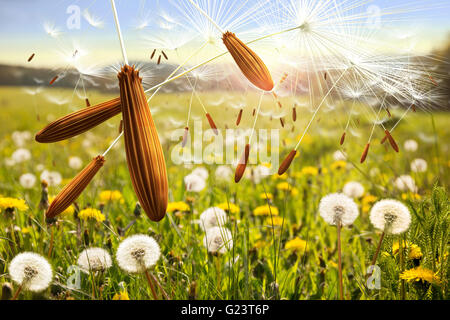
<point x="374" y="259"/>
<point x="52" y="236"/>
<point x="207" y="16"/>
<point x="16" y="295"/>
<point x="150" y="283"/>
<point x="159" y="286"/>
<point x="341" y="291"/>
<point x="119" y="32"/>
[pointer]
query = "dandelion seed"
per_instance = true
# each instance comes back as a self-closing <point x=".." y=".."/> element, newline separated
<point x="294" y="114"/>
<point x="212" y="124"/>
<point x="388" y="112"/>
<point x="137" y="253"/>
<point x="164" y="54"/>
<point x="239" y="117"/>
<point x="392" y="141"/>
<point x="213" y="217"/>
<point x="282" y="122"/>
<point x="384" y="139"/>
<point x="254" y="112"/>
<point x="185" y="137"/>
<point x="144" y="153"/>
<point x="75" y="187"/>
<point x="153" y="54"/>
<point x="341" y="142"/>
<point x="94" y="259"/>
<point x="325" y="75"/>
<point x="434" y="81"/>
<point x="31" y="57"/>
<point x="88" y="104"/>
<point x="287" y="162"/>
<point x="31" y="272"/>
<point x="159" y="59"/>
<point x="250" y="64"/>
<point x="365" y="152"/>
<point x="78" y="122"/>
<point x="218" y="240"/>
<point x="53" y="80"/>
<point x="240" y="169"/>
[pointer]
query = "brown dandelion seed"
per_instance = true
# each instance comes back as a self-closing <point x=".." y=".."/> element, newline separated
<point x="185" y="136"/>
<point x="254" y="112"/>
<point x="212" y="124"/>
<point x="389" y="113"/>
<point x="392" y="141"/>
<point x="282" y="122"/>
<point x="31" y="57"/>
<point x="88" y="104"/>
<point x="279" y="104"/>
<point x="159" y="59"/>
<point x="413" y="107"/>
<point x="143" y="149"/>
<point x="239" y="117"/>
<point x="294" y="114"/>
<point x="120" y="126"/>
<point x="164" y="54"/>
<point x="341" y="142"/>
<point x="365" y="152"/>
<point x="240" y="169"/>
<point x="249" y="62"/>
<point x="325" y="76"/>
<point x="53" y="80"/>
<point x="384" y="139"/>
<point x="286" y="162"/>
<point x="78" y="122"/>
<point x="75" y="187"/>
<point x="153" y="54"/>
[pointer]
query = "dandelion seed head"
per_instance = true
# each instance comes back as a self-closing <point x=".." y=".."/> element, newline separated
<point x="20" y="137"/>
<point x="390" y="216"/>
<point x="94" y="259"/>
<point x="411" y="145"/>
<point x="218" y="240"/>
<point x="21" y="155"/>
<point x="338" y="207"/>
<point x="213" y="217"/>
<point x="31" y="270"/>
<point x="353" y="189"/>
<point x="53" y="178"/>
<point x="137" y="253"/>
<point x="194" y="183"/>
<point x="405" y="183"/>
<point x="223" y="173"/>
<point x="339" y="155"/>
<point x="27" y="180"/>
<point x="75" y="162"/>
<point x="201" y="172"/>
<point x="419" y="165"/>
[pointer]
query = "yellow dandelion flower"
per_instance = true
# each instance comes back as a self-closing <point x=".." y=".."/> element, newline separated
<point x="338" y="165"/>
<point x="311" y="171"/>
<point x="91" y="213"/>
<point x="228" y="206"/>
<point x="367" y="202"/>
<point x="13" y="203"/>
<point x="265" y="210"/>
<point x="178" y="206"/>
<point x="420" y="274"/>
<point x="296" y="244"/>
<point x="332" y="264"/>
<point x="122" y="295"/>
<point x="266" y="196"/>
<point x="276" y="221"/>
<point x="111" y="195"/>
<point x="260" y="244"/>
<point x="26" y="230"/>
<point x="413" y="196"/>
<point x="414" y="250"/>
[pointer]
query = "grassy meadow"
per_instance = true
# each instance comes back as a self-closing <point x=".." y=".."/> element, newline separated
<point x="282" y="248"/>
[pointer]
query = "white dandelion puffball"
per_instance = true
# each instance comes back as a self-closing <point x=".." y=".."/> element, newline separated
<point x="259" y="173"/>
<point x="338" y="207"/>
<point x="213" y="217"/>
<point x="201" y="172"/>
<point x="339" y="155"/>
<point x="137" y="253"/>
<point x="27" y="180"/>
<point x="218" y="240"/>
<point x="20" y="137"/>
<point x="21" y="155"/>
<point x="405" y="183"/>
<point x="75" y="162"/>
<point x="390" y="216"/>
<point x="94" y="259"/>
<point x="53" y="178"/>
<point x="419" y="165"/>
<point x="194" y="183"/>
<point x="223" y="173"/>
<point x="411" y="145"/>
<point x="353" y="189"/>
<point x="31" y="270"/>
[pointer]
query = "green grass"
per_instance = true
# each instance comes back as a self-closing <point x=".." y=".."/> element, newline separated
<point x="258" y="266"/>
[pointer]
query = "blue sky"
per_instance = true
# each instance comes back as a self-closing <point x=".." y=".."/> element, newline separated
<point x="22" y="32"/>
